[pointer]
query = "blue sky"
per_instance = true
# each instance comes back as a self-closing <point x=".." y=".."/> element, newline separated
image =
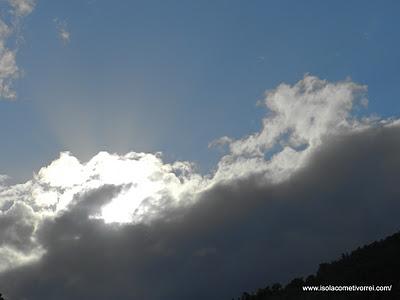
<point x="172" y="76"/>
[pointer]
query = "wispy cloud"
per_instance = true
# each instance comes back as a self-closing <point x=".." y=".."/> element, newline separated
<point x="16" y="10"/>
<point x="62" y="30"/>
<point x="22" y="7"/>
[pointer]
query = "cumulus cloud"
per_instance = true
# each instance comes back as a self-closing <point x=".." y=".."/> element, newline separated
<point x="148" y="189"/>
<point x="315" y="178"/>
<point x="9" y="71"/>
<point x="299" y="118"/>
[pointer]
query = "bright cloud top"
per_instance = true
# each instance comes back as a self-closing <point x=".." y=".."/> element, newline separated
<point x="147" y="183"/>
<point x="300" y="117"/>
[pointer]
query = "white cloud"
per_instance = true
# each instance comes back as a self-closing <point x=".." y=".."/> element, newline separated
<point x="150" y="188"/>
<point x="300" y="118"/>
<point x="22" y="7"/>
<point x="9" y="70"/>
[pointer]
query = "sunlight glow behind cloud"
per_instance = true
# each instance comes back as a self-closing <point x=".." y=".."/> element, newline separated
<point x="300" y="118"/>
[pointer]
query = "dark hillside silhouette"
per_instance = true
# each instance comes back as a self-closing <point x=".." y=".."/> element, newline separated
<point x="374" y="264"/>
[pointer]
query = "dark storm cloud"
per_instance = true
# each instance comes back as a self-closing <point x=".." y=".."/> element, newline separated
<point x="239" y="236"/>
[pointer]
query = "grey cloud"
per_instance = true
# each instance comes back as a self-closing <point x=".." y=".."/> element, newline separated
<point x="241" y="235"/>
<point x="17" y="226"/>
<point x="90" y="202"/>
<point x="17" y="229"/>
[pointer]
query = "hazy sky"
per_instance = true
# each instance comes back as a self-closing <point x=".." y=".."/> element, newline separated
<point x="192" y="149"/>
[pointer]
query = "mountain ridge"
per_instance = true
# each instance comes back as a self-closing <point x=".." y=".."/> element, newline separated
<point x="376" y="264"/>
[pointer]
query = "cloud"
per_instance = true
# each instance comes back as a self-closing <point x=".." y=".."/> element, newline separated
<point x="3" y="178"/>
<point x="62" y="31"/>
<point x="9" y="71"/>
<point x="299" y="118"/>
<point x="318" y="180"/>
<point x="22" y="7"/>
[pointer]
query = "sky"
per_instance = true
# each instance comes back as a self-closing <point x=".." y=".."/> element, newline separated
<point x="145" y="76"/>
<point x="206" y="138"/>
